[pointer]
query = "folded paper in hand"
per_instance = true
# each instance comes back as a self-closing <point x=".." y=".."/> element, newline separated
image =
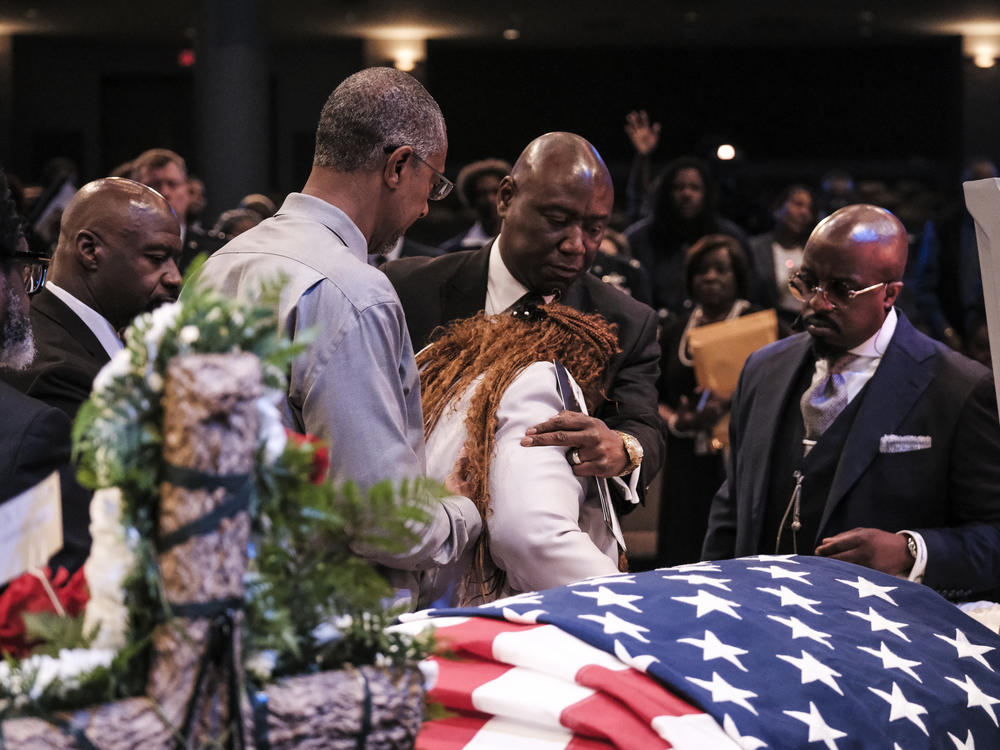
<point x="719" y="351"/>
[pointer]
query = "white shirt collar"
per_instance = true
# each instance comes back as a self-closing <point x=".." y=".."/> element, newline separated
<point x="876" y="345"/>
<point x="502" y="289"/>
<point x="96" y="322"/>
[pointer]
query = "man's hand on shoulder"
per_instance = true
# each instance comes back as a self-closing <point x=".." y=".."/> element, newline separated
<point x="873" y="548"/>
<point x="601" y="451"/>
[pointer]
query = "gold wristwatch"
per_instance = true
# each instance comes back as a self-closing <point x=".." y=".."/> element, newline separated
<point x="633" y="452"/>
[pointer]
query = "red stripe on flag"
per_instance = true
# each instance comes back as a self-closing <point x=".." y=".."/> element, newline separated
<point x="452" y="733"/>
<point x="457" y="680"/>
<point x="602" y="716"/>
<point x="641" y="693"/>
<point x="475" y="635"/>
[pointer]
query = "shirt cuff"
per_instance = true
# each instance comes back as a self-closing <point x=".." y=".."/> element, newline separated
<point x="630" y="489"/>
<point x="920" y="564"/>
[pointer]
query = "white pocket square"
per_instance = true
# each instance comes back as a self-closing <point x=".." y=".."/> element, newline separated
<point x="903" y="443"/>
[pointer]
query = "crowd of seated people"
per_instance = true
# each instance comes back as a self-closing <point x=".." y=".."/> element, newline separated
<point x="683" y="263"/>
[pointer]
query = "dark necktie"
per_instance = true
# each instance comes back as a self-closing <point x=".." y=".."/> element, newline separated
<point x="528" y="307"/>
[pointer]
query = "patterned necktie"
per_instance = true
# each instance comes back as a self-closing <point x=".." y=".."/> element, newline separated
<point x="823" y="402"/>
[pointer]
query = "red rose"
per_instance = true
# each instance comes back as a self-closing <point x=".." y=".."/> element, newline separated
<point x="27" y="594"/>
<point x="320" y="456"/>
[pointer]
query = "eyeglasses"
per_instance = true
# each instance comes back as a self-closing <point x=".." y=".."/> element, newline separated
<point x="837" y="293"/>
<point x="442" y="185"/>
<point x="34" y="269"/>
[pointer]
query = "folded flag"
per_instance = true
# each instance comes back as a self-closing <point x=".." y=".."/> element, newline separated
<point x="769" y="651"/>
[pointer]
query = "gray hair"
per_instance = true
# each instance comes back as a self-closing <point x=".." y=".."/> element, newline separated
<point x="372" y="109"/>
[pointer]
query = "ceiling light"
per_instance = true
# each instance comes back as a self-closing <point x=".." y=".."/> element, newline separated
<point x="726" y="152"/>
<point x="511" y="34"/>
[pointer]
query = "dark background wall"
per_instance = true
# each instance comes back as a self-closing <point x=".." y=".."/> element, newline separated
<point x="884" y="110"/>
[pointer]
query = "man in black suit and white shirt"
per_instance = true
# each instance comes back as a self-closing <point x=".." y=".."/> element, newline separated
<point x="117" y="257"/>
<point x="554" y="207"/>
<point x="35" y="439"/>
<point x="863" y="439"/>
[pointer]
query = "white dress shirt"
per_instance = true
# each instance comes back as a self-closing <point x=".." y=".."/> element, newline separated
<point x="97" y="323"/>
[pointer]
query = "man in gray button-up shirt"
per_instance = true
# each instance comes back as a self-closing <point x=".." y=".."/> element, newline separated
<point x="380" y="150"/>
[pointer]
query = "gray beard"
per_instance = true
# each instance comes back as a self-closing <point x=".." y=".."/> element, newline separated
<point x="17" y="343"/>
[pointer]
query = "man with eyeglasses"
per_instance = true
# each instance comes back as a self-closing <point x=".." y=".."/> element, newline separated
<point x="119" y="242"/>
<point x="380" y="156"/>
<point x="35" y="439"/>
<point x="863" y="439"/>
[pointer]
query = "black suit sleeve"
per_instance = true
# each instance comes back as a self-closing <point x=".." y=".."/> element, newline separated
<point x="720" y="538"/>
<point x="61" y="385"/>
<point x="632" y="397"/>
<point x="964" y="559"/>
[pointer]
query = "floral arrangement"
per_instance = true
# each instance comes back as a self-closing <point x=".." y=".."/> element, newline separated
<point x="311" y="603"/>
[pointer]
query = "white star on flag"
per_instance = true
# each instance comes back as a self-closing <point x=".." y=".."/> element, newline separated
<point x="869" y="588"/>
<point x="801" y="630"/>
<point x="745" y="741"/>
<point x="878" y="622"/>
<point x="698" y="567"/>
<point x="599" y="580"/>
<point x="707" y="602"/>
<point x="699" y="580"/>
<point x="813" y="670"/>
<point x="775" y="558"/>
<point x="529" y="617"/>
<point x="777" y="572"/>
<point x="900" y="708"/>
<point x="712" y="648"/>
<point x="530" y="597"/>
<point x="639" y="661"/>
<point x="790" y="599"/>
<point x="892" y="661"/>
<point x="723" y="692"/>
<point x="819" y="730"/>
<point x="969" y="744"/>
<point x="977" y="698"/>
<point x="967" y="649"/>
<point x="605" y="597"/>
<point x="613" y="624"/>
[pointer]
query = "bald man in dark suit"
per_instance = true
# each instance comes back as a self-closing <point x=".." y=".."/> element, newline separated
<point x="903" y="473"/>
<point x="554" y="206"/>
<point x="117" y="257"/>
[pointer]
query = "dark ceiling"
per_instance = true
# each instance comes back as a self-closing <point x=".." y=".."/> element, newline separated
<point x="539" y="22"/>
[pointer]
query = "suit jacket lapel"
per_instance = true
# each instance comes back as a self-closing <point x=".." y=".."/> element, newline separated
<point x="902" y="376"/>
<point x="50" y="306"/>
<point x="464" y="293"/>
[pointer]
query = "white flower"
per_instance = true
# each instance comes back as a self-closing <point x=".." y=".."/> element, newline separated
<point x="160" y="320"/>
<point x="261" y="664"/>
<point x="112" y="557"/>
<point x="236" y="318"/>
<point x="270" y="431"/>
<point x="213" y="315"/>
<point x="155" y="382"/>
<point x="68" y="667"/>
<point x="188" y="335"/>
<point x="117" y="367"/>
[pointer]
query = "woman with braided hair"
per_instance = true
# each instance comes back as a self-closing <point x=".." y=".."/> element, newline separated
<point x="484" y="382"/>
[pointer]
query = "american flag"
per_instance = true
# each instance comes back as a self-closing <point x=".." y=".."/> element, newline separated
<point x="760" y="652"/>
